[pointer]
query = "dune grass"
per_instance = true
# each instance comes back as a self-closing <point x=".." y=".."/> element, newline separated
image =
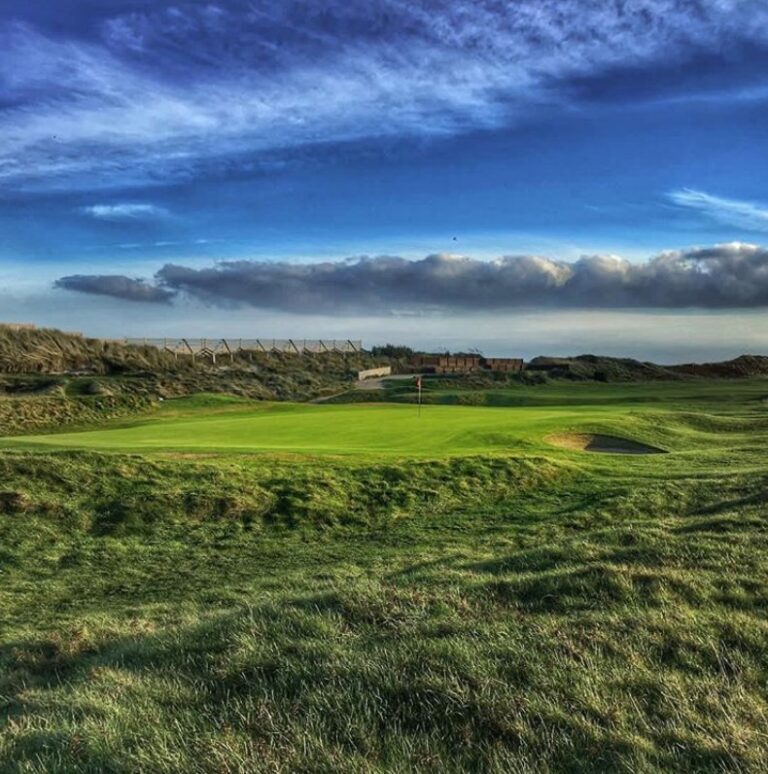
<point x="532" y="609"/>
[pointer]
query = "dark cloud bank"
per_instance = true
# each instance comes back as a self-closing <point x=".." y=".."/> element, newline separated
<point x="117" y="286"/>
<point x="723" y="276"/>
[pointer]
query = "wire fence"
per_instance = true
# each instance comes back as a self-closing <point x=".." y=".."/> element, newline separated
<point x="228" y="346"/>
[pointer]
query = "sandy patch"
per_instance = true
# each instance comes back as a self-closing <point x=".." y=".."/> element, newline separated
<point x="604" y="444"/>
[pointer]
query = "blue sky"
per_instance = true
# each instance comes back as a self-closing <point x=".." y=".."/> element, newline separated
<point x="197" y="149"/>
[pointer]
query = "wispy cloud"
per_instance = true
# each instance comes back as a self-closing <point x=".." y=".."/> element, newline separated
<point x="167" y="92"/>
<point x="722" y="276"/>
<point x="125" y="211"/>
<point x="733" y="212"/>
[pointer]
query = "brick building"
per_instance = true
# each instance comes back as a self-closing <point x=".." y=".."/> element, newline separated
<point x="465" y="364"/>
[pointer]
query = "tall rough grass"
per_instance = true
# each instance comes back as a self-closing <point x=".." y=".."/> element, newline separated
<point x="479" y="614"/>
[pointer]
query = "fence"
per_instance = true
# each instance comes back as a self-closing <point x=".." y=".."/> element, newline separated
<point x="210" y="348"/>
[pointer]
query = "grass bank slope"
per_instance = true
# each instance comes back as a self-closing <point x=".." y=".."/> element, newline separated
<point x="47" y="363"/>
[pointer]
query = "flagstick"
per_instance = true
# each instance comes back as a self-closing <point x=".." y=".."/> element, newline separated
<point x="419" y="383"/>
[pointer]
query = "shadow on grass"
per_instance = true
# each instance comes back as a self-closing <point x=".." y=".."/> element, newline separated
<point x="394" y="676"/>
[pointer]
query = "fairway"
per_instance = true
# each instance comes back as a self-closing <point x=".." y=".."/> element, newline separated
<point x="340" y="429"/>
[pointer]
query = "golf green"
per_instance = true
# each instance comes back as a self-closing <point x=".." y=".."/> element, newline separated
<point x="337" y="429"/>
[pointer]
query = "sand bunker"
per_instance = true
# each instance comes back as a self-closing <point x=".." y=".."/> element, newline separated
<point x="605" y="444"/>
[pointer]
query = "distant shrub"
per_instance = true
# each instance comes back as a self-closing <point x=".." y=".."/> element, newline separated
<point x="396" y="351"/>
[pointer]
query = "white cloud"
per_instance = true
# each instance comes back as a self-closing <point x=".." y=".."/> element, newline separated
<point x="270" y="77"/>
<point x="732" y="212"/>
<point x="125" y="211"/>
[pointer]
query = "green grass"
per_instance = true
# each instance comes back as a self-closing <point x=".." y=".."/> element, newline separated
<point x="460" y="597"/>
<point x="518" y="420"/>
<point x="454" y="390"/>
<point x="316" y="429"/>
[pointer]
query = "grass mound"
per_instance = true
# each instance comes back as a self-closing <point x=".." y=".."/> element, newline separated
<point x="33" y="414"/>
<point x="50" y="351"/>
<point x="124" y="495"/>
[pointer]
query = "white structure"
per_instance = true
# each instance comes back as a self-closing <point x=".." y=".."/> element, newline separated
<point x="373" y="373"/>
